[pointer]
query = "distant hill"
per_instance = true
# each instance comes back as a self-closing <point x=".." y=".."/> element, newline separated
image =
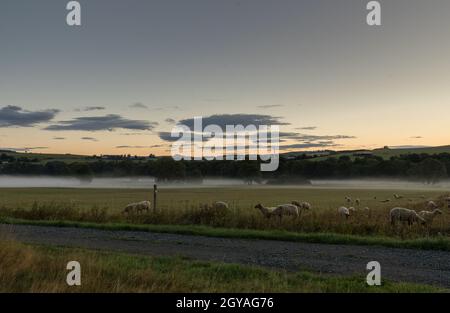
<point x="385" y="153"/>
<point x="44" y="157"/>
<point x="69" y="158"/>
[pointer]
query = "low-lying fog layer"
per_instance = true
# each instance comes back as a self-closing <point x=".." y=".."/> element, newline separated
<point x="147" y="182"/>
<point x="122" y="182"/>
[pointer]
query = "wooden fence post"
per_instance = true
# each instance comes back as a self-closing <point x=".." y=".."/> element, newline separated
<point x="155" y="191"/>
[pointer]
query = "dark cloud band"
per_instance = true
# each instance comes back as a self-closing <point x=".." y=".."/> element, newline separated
<point x="16" y="116"/>
<point x="98" y="123"/>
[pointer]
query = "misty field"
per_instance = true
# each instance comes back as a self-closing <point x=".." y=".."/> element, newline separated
<point x="181" y="206"/>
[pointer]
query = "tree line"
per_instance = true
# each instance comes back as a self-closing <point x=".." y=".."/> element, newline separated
<point x="422" y="167"/>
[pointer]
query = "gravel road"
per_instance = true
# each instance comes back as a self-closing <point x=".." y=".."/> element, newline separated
<point x="419" y="266"/>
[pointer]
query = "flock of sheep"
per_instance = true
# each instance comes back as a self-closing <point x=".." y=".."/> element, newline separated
<point x="398" y="214"/>
<point x="295" y="209"/>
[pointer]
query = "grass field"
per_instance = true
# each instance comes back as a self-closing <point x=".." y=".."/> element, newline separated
<point x="239" y="198"/>
<point x="27" y="268"/>
<point x="181" y="207"/>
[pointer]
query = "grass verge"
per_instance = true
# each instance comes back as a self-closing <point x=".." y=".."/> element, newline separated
<point x="30" y="268"/>
<point x="430" y="243"/>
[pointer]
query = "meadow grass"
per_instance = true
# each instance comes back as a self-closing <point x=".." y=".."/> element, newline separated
<point x="27" y="268"/>
<point x="239" y="198"/>
<point x="428" y="243"/>
<point x="180" y="209"/>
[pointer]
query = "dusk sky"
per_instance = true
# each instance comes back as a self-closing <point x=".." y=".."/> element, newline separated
<point x="120" y="81"/>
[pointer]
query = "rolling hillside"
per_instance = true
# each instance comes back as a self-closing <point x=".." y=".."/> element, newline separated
<point x="385" y="153"/>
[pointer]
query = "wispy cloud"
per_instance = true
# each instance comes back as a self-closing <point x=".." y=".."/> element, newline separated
<point x="98" y="123"/>
<point x="139" y="147"/>
<point x="307" y="137"/>
<point x="24" y="149"/>
<point x="169" y="107"/>
<point x="91" y="108"/>
<point x="306" y="128"/>
<point x="270" y="106"/>
<point x="89" y="138"/>
<point x="12" y="115"/>
<point x="133" y="134"/>
<point x="59" y="138"/>
<point x="170" y="121"/>
<point x="138" y="105"/>
<point x="308" y="145"/>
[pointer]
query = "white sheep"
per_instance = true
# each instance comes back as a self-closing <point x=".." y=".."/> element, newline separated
<point x="306" y="205"/>
<point x="344" y="212"/>
<point x="431" y="205"/>
<point x="366" y="209"/>
<point x="397" y="196"/>
<point x="220" y="205"/>
<point x="286" y="210"/>
<point x="429" y="216"/>
<point x="302" y="205"/>
<point x="266" y="211"/>
<point x="348" y="199"/>
<point x="357" y="201"/>
<point x="138" y="207"/>
<point x="405" y="215"/>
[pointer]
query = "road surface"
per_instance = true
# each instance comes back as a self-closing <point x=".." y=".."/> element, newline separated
<point x="418" y="266"/>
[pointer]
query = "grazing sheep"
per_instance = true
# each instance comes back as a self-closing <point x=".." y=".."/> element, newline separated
<point x="431" y="205"/>
<point x="366" y="209"/>
<point x="306" y="205"/>
<point x="220" y="205"/>
<point x="129" y="208"/>
<point x="429" y="216"/>
<point x="357" y="202"/>
<point x="302" y="205"/>
<point x="396" y="196"/>
<point x="138" y="207"/>
<point x="286" y="210"/>
<point x="267" y="212"/>
<point x="348" y="199"/>
<point x="217" y="208"/>
<point x="405" y="215"/>
<point x="344" y="212"/>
